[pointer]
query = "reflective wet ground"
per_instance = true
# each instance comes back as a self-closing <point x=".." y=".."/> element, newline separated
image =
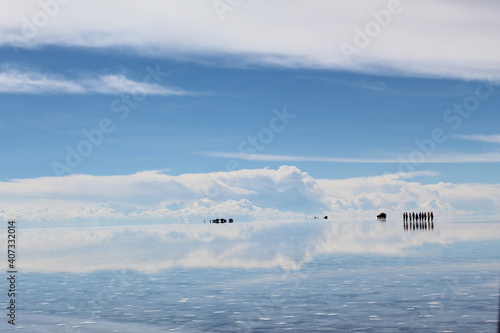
<point x="315" y="276"/>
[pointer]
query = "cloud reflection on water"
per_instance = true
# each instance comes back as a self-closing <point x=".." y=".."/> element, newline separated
<point x="286" y="245"/>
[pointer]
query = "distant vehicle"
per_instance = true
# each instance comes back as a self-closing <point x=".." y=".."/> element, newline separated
<point x="221" y="221"/>
<point x="381" y="216"/>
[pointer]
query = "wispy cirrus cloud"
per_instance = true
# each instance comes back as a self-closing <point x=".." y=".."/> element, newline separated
<point x="304" y="34"/>
<point x="374" y="85"/>
<point x="33" y="82"/>
<point x="495" y="138"/>
<point x="488" y="157"/>
<point x="293" y="158"/>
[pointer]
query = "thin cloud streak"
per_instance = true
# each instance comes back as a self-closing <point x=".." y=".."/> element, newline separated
<point x="30" y="82"/>
<point x="481" y="138"/>
<point x="290" y="158"/>
<point x="364" y="84"/>
<point x="491" y="157"/>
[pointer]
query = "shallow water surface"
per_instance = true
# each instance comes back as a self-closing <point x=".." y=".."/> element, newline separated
<point x="315" y="276"/>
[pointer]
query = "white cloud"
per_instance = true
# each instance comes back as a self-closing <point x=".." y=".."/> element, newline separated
<point x="119" y="84"/>
<point x="367" y="196"/>
<point x="376" y="85"/>
<point x="15" y="81"/>
<point x="286" y="193"/>
<point x="33" y="82"/>
<point x="425" y="38"/>
<point x="292" y="158"/>
<point x="489" y="157"/>
<point x="495" y="138"/>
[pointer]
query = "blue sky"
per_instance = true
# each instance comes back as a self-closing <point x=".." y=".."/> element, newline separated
<point x="337" y="114"/>
<point x="224" y="95"/>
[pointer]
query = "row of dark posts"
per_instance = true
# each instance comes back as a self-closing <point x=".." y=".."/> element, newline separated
<point x="418" y="225"/>
<point x="422" y="216"/>
<point x="418" y="221"/>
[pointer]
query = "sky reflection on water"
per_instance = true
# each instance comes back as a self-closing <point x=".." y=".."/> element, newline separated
<point x="257" y="277"/>
<point x="286" y="245"/>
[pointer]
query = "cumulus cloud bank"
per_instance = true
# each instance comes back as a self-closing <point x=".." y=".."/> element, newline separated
<point x="286" y="193"/>
<point x="425" y="38"/>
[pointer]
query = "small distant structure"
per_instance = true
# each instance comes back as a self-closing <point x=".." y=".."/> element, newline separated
<point x="221" y="221"/>
<point x="326" y="217"/>
<point x="382" y="216"/>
